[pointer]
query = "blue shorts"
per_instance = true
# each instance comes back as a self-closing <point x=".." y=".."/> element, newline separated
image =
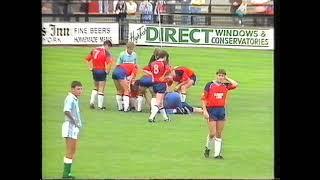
<point x="194" y="78"/>
<point x="159" y="88"/>
<point x="146" y="82"/>
<point x="119" y="73"/>
<point x="99" y="75"/>
<point x="217" y="114"/>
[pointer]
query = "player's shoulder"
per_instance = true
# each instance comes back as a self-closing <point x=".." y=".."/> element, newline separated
<point x="209" y="83"/>
<point x="70" y="97"/>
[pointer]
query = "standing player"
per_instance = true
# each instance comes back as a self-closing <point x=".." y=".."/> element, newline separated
<point x="160" y="71"/>
<point x="213" y="104"/>
<point x="145" y="82"/>
<point x="99" y="62"/>
<point x="128" y="55"/>
<point x="185" y="77"/>
<point x="71" y="126"/>
<point x="123" y="76"/>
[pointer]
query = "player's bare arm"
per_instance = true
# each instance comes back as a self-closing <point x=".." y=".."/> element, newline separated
<point x="233" y="82"/>
<point x="89" y="63"/>
<point x="204" y="107"/>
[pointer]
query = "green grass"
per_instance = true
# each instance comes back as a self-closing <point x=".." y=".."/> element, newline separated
<point x="125" y="145"/>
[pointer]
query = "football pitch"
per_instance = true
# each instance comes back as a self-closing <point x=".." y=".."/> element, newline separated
<point x="115" y="144"/>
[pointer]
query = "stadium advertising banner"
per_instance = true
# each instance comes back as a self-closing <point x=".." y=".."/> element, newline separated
<point x="245" y="38"/>
<point x="79" y="33"/>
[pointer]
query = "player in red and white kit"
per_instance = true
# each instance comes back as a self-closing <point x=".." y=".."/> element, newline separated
<point x="213" y="104"/>
<point x="99" y="61"/>
<point x="160" y="72"/>
<point x="185" y="78"/>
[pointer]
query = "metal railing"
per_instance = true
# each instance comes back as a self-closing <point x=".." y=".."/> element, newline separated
<point x="200" y="15"/>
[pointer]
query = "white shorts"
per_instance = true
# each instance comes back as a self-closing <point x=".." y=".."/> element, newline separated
<point x="69" y="130"/>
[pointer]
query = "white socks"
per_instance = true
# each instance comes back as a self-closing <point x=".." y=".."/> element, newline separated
<point x="100" y="99"/>
<point x="119" y="102"/>
<point x="93" y="97"/>
<point x="217" y="146"/>
<point x="164" y="114"/>
<point x="126" y="101"/>
<point x="183" y="97"/>
<point x="67" y="160"/>
<point x="154" y="108"/>
<point x="209" y="143"/>
<point x="139" y="101"/>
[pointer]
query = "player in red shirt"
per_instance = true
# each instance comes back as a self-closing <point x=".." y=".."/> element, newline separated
<point x="124" y="75"/>
<point x="99" y="61"/>
<point x="185" y="78"/>
<point x="160" y="72"/>
<point x="213" y="104"/>
<point x="133" y="95"/>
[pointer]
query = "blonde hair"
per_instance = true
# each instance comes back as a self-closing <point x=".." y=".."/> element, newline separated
<point x="130" y="45"/>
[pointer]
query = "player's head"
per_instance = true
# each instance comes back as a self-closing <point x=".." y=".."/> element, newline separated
<point x="107" y="44"/>
<point x="163" y="55"/>
<point x="130" y="47"/>
<point x="154" y="56"/>
<point x="76" y="88"/>
<point x="221" y="75"/>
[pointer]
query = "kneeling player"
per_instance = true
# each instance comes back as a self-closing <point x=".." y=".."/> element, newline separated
<point x="123" y="75"/>
<point x="185" y="77"/>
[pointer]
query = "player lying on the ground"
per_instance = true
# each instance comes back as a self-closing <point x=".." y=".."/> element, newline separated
<point x="173" y="105"/>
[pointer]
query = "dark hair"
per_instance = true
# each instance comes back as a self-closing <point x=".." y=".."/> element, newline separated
<point x="221" y="71"/>
<point x="75" y="83"/>
<point x="156" y="51"/>
<point x="163" y="54"/>
<point x="168" y="60"/>
<point x="107" y="42"/>
<point x="154" y="56"/>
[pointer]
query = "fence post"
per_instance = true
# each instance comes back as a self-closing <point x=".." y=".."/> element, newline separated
<point x="86" y="18"/>
<point x="208" y="18"/>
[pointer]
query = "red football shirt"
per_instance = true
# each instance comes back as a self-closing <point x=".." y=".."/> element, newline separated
<point x="147" y="68"/>
<point x="183" y="74"/>
<point x="99" y="57"/>
<point x="130" y="69"/>
<point x="215" y="94"/>
<point x="159" y="70"/>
